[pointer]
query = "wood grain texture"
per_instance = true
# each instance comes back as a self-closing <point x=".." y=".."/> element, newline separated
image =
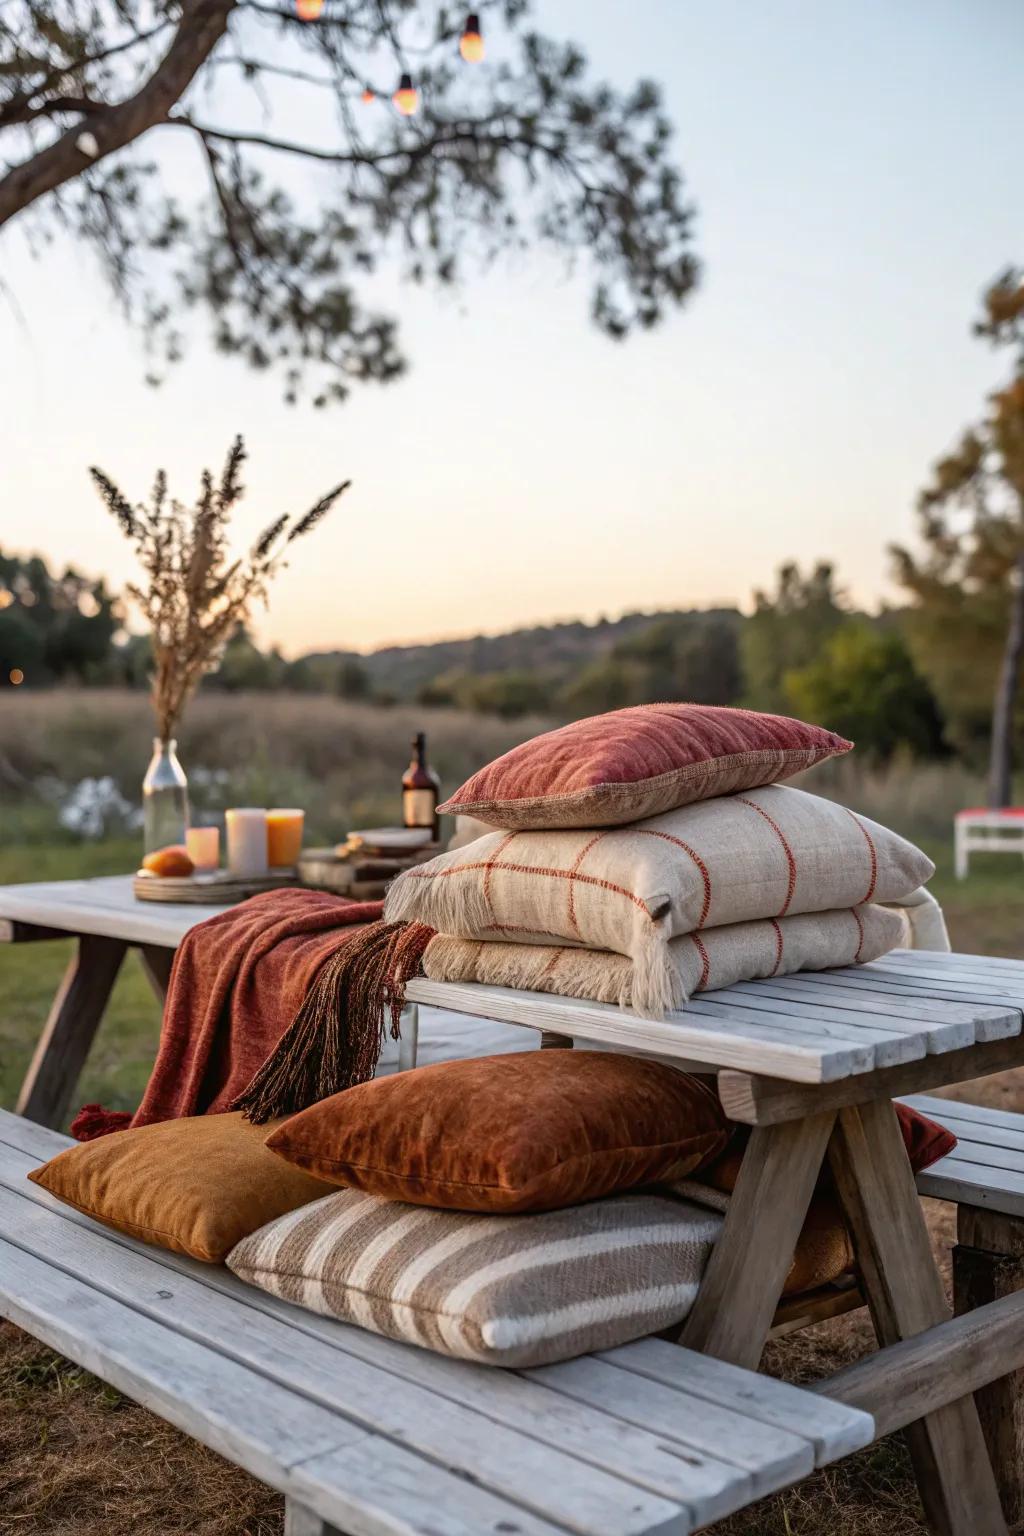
<point x="905" y="1294"/>
<point x="63" y="1046"/>
<point x="104" y="906"/>
<point x="718" y="1041"/>
<point x="809" y="1028"/>
<point x="733" y="1312"/>
<point x="833" y="1430"/>
<point x="157" y="962"/>
<point x="913" y="1378"/>
<point x="757" y="1099"/>
<point x="988" y="1273"/>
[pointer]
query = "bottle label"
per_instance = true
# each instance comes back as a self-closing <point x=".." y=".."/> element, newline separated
<point x="418" y="807"/>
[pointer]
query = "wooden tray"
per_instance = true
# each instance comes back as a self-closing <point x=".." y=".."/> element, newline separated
<point x="218" y="889"/>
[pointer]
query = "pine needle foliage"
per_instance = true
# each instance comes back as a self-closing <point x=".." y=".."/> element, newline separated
<point x="193" y="595"/>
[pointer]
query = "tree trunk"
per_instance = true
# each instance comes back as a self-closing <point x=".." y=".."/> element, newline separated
<point x="202" y="25"/>
<point x="1000" y="790"/>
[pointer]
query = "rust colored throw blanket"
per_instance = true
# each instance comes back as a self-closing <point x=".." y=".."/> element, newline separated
<point x="238" y="982"/>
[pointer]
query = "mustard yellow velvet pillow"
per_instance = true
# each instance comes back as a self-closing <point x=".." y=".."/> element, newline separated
<point x="197" y="1185"/>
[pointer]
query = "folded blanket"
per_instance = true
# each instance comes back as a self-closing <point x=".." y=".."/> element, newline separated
<point x="769" y="853"/>
<point x="237" y="984"/>
<point x="811" y="941"/>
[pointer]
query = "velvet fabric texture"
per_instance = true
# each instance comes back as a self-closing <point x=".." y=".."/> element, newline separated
<point x="238" y="981"/>
<point x="533" y="1131"/>
<point x="824" y="1250"/>
<point x="197" y="1186"/>
<point x="632" y="763"/>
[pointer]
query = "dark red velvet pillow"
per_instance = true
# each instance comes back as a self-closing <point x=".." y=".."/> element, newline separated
<point x="632" y="763"/>
<point x="925" y="1140"/>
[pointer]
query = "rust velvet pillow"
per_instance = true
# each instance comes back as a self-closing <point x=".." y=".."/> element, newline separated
<point x="195" y="1185"/>
<point x="533" y="1131"/>
<point x="633" y="763"/>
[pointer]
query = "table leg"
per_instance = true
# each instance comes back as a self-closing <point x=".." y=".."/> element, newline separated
<point x="748" y="1266"/>
<point x="905" y="1294"/>
<point x="988" y="1263"/>
<point x="157" y="962"/>
<point x="409" y="1039"/>
<point x="300" y="1521"/>
<point x="70" y="1029"/>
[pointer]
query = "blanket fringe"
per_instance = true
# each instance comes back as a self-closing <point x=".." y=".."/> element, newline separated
<point x="335" y="1039"/>
<point x="93" y="1121"/>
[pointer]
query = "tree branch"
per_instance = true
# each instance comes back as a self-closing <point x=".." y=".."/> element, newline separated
<point x="200" y="29"/>
<point x="14" y="110"/>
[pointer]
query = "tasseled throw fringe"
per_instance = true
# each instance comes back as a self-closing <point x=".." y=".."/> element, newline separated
<point x="335" y="1039"/>
<point x="93" y="1121"/>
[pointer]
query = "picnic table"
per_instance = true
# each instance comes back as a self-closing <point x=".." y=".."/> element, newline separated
<point x="812" y="1063"/>
<point x="106" y="920"/>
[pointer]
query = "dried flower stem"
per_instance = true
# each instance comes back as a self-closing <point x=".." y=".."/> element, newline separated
<point x="194" y="596"/>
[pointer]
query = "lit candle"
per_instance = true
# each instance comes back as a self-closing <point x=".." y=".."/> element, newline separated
<point x="203" y="847"/>
<point x="284" y="837"/>
<point x="247" y="841"/>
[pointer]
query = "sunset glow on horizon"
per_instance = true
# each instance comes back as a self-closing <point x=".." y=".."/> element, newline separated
<point x="856" y="188"/>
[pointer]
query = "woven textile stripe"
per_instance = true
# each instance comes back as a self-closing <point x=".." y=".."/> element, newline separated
<point x="773" y="853"/>
<point x="632" y="763"/>
<point x="507" y="1290"/>
<point x="810" y="941"/>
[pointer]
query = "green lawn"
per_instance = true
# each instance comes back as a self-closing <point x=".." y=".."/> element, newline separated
<point x="118" y="1068"/>
<point x="985" y="915"/>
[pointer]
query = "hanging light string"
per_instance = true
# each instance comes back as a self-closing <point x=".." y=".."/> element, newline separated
<point x="471" y="43"/>
<point x="406" y="97"/>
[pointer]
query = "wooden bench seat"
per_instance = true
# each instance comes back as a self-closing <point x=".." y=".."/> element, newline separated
<point x="370" y="1437"/>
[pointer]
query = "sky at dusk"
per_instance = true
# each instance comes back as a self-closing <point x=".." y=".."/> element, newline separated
<point x="856" y="171"/>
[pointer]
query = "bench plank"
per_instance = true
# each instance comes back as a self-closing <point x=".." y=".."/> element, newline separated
<point x="370" y="1488"/>
<point x="599" y="1439"/>
<point x="517" y="1467"/>
<point x="835" y="1430"/>
<point x="591" y="1435"/>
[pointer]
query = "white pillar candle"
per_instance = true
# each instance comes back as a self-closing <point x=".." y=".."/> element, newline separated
<point x="247" y="841"/>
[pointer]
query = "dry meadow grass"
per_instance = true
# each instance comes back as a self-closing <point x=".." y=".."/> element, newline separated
<point x="75" y="1457"/>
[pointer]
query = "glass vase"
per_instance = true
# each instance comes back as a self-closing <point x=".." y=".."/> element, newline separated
<point x="164" y="798"/>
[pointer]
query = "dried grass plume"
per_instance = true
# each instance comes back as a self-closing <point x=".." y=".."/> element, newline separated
<point x="194" y="595"/>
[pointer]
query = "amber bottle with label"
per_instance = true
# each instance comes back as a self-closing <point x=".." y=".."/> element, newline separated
<point x="421" y="791"/>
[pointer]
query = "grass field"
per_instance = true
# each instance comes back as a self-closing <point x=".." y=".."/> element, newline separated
<point x="75" y="1457"/>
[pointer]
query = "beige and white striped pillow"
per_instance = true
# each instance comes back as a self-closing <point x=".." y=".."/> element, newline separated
<point x="718" y="957"/>
<point x="769" y="853"/>
<point x="504" y="1290"/>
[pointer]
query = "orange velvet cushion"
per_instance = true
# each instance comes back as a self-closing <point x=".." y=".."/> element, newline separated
<point x="632" y="763"/>
<point x="195" y="1185"/>
<point x="533" y="1131"/>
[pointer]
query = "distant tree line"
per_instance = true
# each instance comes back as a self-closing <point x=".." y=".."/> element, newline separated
<point x="802" y="650"/>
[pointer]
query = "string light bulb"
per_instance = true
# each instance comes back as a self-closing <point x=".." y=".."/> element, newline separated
<point x="17" y="677"/>
<point x="407" y="97"/>
<point x="471" y="43"/>
<point x="369" y="95"/>
<point x="309" y="10"/>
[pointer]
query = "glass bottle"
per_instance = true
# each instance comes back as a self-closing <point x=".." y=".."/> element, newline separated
<point x="421" y="790"/>
<point x="164" y="798"/>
